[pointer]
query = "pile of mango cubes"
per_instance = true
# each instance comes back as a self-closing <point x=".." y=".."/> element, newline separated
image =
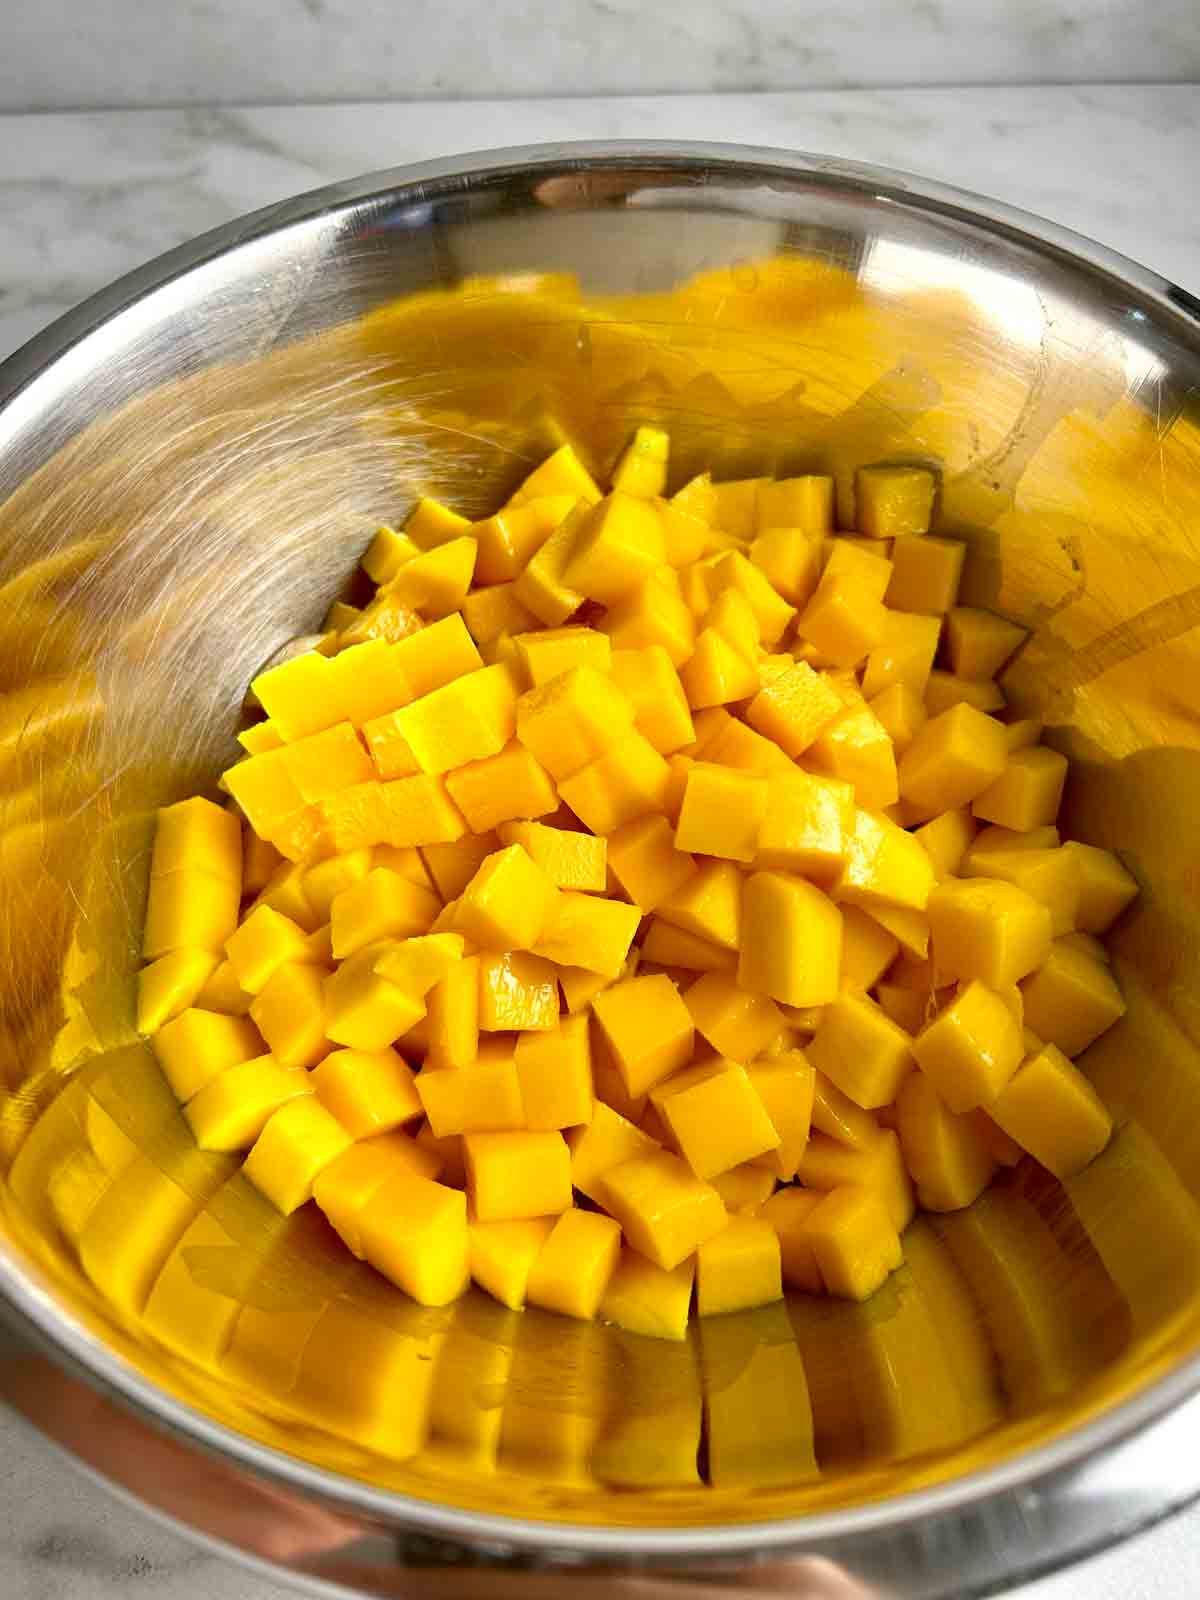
<point x="638" y="901"/>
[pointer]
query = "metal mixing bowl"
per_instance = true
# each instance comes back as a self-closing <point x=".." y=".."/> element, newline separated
<point x="190" y="466"/>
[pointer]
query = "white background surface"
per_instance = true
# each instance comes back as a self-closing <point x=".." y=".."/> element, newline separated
<point x="63" y="54"/>
<point x="84" y="198"/>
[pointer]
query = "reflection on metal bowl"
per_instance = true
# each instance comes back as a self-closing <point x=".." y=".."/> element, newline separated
<point x="190" y="467"/>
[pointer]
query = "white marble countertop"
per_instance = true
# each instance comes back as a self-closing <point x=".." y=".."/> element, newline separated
<point x="87" y="196"/>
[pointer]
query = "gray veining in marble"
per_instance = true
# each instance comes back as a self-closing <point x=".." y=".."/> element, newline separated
<point x="61" y="54"/>
<point x="86" y="197"/>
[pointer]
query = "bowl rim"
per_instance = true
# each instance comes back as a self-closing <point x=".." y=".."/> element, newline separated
<point x="1057" y="1466"/>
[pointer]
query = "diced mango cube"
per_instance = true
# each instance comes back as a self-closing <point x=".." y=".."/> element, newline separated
<point x="414" y="1232"/>
<point x="509" y="539"/>
<point x="194" y="1047"/>
<point x="515" y="1175"/>
<point x="838" y="1116"/>
<point x="733" y="744"/>
<point x="587" y="932"/>
<point x="1027" y="793"/>
<point x="570" y="860"/>
<point x="382" y="906"/>
<point x="619" y="545"/>
<point x="369" y="1092"/>
<point x="465" y="720"/>
<point x="641" y="468"/>
<point x="854" y="1243"/>
<point x="643" y="1298"/>
<point x="517" y="991"/>
<point x="172" y="984"/>
<point x="342" y="1188"/>
<point x="737" y="1023"/>
<point x="502" y="788"/>
<point x="540" y="586"/>
<point x="669" y="946"/>
<point x="738" y="1268"/>
<point x="482" y="1098"/>
<point x="430" y="524"/>
<point x="1105" y="887"/>
<point x="646" y="860"/>
<point x="946" y="840"/>
<point x="189" y="910"/>
<point x="708" y="904"/>
<point x="855" y="747"/>
<point x="904" y="655"/>
<point x="508" y="904"/>
<point x="453" y="1016"/>
<point x="716" y="1119"/>
<point x="868" y="949"/>
<point x="1070" y="1000"/>
<point x="649" y="681"/>
<point x="435" y="583"/>
<point x="806" y="825"/>
<point x="570" y="721"/>
<point x="785" y="1084"/>
<point x="321" y="763"/>
<point x="387" y="553"/>
<point x="403" y="812"/>
<point x="987" y="929"/>
<point x="554" y="1070"/>
<point x="232" y="1109"/>
<point x="222" y="992"/>
<point x="364" y="1011"/>
<point x="804" y="502"/>
<point x="560" y="473"/>
<point x="605" y="1142"/>
<point x="979" y="643"/>
<point x="884" y="865"/>
<point x="902" y="714"/>
<point x="550" y="651"/>
<point x="791" y="941"/>
<point x="1050" y="876"/>
<point x="788" y="1213"/>
<point x="971" y="1048"/>
<point x="861" y="1050"/>
<point x="952" y="760"/>
<point x="892" y="500"/>
<point x="722" y="812"/>
<point x="575" y="1264"/>
<point x="945" y="690"/>
<point x="648" y="1029"/>
<point x="289" y="1012"/>
<point x="744" y="1189"/>
<point x="197" y="836"/>
<point x="502" y="1255"/>
<point x="452" y="864"/>
<point x="665" y="1211"/>
<point x="628" y="781"/>
<point x="654" y="615"/>
<point x="1050" y="1109"/>
<point x="297" y="1143"/>
<point x="491" y="614"/>
<point x="794" y="708"/>
<point x="299" y="695"/>
<point x="844" y="620"/>
<point x="325" y="880"/>
<point x="946" y="1155"/>
<point x="717" y="673"/>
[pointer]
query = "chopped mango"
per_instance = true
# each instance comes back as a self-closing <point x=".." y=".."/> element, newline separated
<point x="364" y="1011"/>
<point x="791" y="946"/>
<point x="738" y="1268"/>
<point x="744" y="1189"/>
<point x="172" y="984"/>
<point x="554" y="1070"/>
<point x="788" y="1213"/>
<point x="715" y="1117"/>
<point x="619" y="544"/>
<point x="988" y="929"/>
<point x="854" y="1244"/>
<point x="1051" y="877"/>
<point x="197" y="836"/>
<point x="844" y="620"/>
<point x="648" y="1028"/>
<point x="643" y="1298"/>
<point x="508" y="904"/>
<point x="1070" y="1000"/>
<point x="1051" y="1110"/>
<point x="502" y="1254"/>
<point x="506" y="787"/>
<point x="483" y="1098"/>
<point x="575" y="1264"/>
<point x="1105" y="887"/>
<point x="971" y="1048"/>
<point x="708" y="904"/>
<point x="515" y="1175"/>
<point x="516" y="991"/>
<point x="232" y="1109"/>
<point x="722" y="812"/>
<point x="664" y="1210"/>
<point x="736" y="1022"/>
<point x="855" y="747"/>
<point x="605" y="1142"/>
<point x="946" y="1154"/>
<point x="889" y="501"/>
<point x="861" y="1050"/>
<point x="570" y="721"/>
<point x="648" y="680"/>
<point x="590" y="933"/>
<point x="452" y="1013"/>
<point x="195" y="1046"/>
<point x="979" y="643"/>
<point x="289" y="1012"/>
<point x="369" y="1092"/>
<point x="646" y="861"/>
<point x="295" y="1146"/>
<point x="189" y="910"/>
<point x="414" y="1232"/>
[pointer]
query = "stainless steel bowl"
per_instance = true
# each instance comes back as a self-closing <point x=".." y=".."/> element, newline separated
<point x="190" y="465"/>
